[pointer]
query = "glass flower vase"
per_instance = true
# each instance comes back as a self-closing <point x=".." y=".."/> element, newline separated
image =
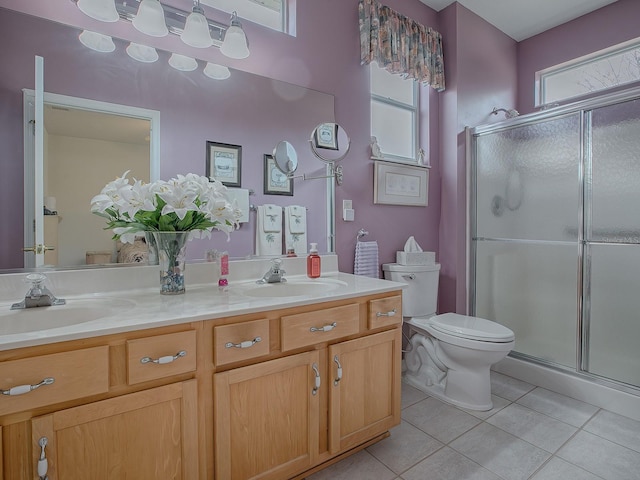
<point x="171" y="248"/>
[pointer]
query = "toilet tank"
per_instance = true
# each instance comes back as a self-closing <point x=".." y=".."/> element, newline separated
<point x="420" y="297"/>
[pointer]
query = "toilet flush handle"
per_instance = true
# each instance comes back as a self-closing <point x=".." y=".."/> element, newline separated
<point x="411" y="276"/>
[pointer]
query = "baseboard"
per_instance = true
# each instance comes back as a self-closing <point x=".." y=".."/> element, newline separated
<point x="572" y="386"/>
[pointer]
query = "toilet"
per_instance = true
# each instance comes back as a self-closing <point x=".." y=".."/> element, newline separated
<point x="449" y="356"/>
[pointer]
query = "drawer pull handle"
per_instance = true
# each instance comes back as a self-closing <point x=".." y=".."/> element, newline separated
<point x="316" y="387"/>
<point x="245" y="344"/>
<point x="391" y="313"/>
<point x="339" y="376"/>
<point x="43" y="463"/>
<point x="326" y="328"/>
<point x="21" y="389"/>
<point x="165" y="359"/>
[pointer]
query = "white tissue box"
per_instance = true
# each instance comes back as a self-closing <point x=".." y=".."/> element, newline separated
<point x="416" y="258"/>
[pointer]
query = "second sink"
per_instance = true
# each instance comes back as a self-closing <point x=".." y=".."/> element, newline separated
<point x="295" y="288"/>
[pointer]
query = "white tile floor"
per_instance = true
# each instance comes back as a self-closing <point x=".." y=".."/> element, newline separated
<point x="531" y="433"/>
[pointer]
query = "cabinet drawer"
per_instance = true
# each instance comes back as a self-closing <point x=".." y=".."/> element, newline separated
<point x="240" y="341"/>
<point x="385" y="311"/>
<point x="75" y="374"/>
<point x="161" y="356"/>
<point x="320" y="326"/>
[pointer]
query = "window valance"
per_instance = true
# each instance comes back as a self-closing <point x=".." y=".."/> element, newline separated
<point x="399" y="44"/>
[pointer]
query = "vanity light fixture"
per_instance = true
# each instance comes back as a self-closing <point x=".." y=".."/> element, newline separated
<point x="142" y="53"/>
<point x="154" y="18"/>
<point x="216" y="72"/>
<point x="103" y="10"/>
<point x="235" y="41"/>
<point x="97" y="41"/>
<point x="196" y="28"/>
<point x="150" y="19"/>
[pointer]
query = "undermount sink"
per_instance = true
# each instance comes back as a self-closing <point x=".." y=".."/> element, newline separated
<point x="74" y="312"/>
<point x="292" y="288"/>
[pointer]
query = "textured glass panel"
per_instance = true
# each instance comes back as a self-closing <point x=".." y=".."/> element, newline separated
<point x="393" y="127"/>
<point x="614" y="350"/>
<point x="531" y="289"/>
<point x="527" y="179"/>
<point x="392" y="86"/>
<point x="616" y="173"/>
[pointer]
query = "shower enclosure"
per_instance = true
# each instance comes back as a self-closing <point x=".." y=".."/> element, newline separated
<point x="555" y="235"/>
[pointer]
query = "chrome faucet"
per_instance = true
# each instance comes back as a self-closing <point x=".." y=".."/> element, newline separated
<point x="38" y="295"/>
<point x="275" y="274"/>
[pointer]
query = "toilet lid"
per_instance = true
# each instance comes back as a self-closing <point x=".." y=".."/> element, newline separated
<point x="471" y="327"/>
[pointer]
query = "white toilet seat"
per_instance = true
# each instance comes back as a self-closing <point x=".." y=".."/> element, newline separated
<point x="472" y="328"/>
<point x="469" y="332"/>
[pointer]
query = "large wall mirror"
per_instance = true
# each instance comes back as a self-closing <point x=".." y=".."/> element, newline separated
<point x="247" y="110"/>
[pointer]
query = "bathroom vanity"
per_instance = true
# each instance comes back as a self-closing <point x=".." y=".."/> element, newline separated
<point x="255" y="382"/>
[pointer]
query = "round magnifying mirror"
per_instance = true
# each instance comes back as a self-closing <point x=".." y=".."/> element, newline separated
<point x="329" y="142"/>
<point x="286" y="157"/>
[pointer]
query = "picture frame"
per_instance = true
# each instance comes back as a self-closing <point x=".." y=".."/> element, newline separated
<point x="275" y="181"/>
<point x="326" y="136"/>
<point x="399" y="184"/>
<point x="224" y="163"/>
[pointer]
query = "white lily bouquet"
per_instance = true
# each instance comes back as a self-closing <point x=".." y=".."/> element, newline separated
<point x="167" y="213"/>
<point x="187" y="203"/>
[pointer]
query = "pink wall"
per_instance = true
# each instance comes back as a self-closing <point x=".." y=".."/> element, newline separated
<point x="481" y="73"/>
<point x="607" y="26"/>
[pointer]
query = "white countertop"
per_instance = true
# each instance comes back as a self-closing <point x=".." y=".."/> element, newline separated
<point x="130" y="298"/>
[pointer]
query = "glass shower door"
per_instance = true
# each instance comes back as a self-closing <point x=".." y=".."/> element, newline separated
<point x="612" y="237"/>
<point x="525" y="239"/>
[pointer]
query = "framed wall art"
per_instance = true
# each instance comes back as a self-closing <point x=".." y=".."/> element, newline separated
<point x="275" y="182"/>
<point x="399" y="184"/>
<point x="224" y="163"/>
<point x="326" y="136"/>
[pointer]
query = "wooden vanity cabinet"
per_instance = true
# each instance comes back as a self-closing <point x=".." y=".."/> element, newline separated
<point x="282" y="417"/>
<point x="108" y="414"/>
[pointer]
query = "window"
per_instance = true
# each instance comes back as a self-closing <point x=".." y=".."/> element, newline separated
<point x="269" y="13"/>
<point x="611" y="67"/>
<point x="394" y="114"/>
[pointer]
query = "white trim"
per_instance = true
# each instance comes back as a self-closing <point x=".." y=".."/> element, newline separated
<point x="572" y="386"/>
<point x="114" y="108"/>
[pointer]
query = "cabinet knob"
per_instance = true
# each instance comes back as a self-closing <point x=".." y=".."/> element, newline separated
<point x="245" y="344"/>
<point x="22" y="389"/>
<point x="326" y="328"/>
<point x="339" y="373"/>
<point x="163" y="360"/>
<point x="316" y="386"/>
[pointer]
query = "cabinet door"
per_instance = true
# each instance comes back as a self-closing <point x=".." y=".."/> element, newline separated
<point x="364" y="390"/>
<point x="146" y="435"/>
<point x="266" y="418"/>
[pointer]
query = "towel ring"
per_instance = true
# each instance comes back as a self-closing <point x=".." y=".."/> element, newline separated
<point x="361" y="233"/>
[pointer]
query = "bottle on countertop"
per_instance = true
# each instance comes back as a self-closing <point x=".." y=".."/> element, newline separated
<point x="223" y="259"/>
<point x="313" y="262"/>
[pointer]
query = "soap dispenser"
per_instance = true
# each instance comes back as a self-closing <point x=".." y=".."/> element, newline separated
<point x="313" y="262"/>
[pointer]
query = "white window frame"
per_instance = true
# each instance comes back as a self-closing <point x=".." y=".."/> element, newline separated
<point x="583" y="63"/>
<point x="414" y="109"/>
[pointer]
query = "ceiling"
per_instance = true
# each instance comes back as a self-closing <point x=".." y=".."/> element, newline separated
<point x="521" y="19"/>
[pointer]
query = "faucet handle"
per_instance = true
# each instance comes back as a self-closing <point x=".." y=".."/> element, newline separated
<point x="35" y="278"/>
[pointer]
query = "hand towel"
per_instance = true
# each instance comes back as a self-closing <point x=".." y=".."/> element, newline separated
<point x="268" y="239"/>
<point x="295" y="228"/>
<point x="241" y="196"/>
<point x="271" y="218"/>
<point x="366" y="259"/>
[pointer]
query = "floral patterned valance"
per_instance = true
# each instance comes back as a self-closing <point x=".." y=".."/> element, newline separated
<point x="400" y="45"/>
